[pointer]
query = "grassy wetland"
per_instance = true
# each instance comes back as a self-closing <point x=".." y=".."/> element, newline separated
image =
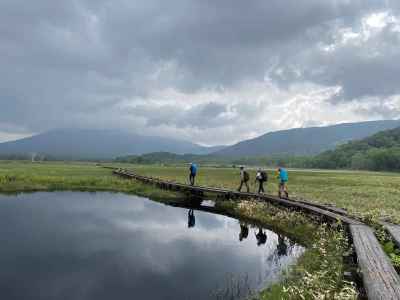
<point x="17" y="176"/>
<point x="364" y="194"/>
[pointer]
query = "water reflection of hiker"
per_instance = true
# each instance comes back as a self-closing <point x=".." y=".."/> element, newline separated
<point x="244" y="231"/>
<point x="191" y="218"/>
<point x="281" y="247"/>
<point x="244" y="178"/>
<point x="261" y="177"/>
<point x="261" y="237"/>
<point x="192" y="173"/>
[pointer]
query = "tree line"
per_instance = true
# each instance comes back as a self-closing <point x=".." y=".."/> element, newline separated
<point x="379" y="152"/>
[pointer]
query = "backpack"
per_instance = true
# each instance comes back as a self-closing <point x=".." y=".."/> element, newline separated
<point x="246" y="176"/>
<point x="193" y="169"/>
<point x="283" y="175"/>
<point x="264" y="176"/>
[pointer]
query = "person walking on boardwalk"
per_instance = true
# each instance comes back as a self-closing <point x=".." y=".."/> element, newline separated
<point x="283" y="179"/>
<point x="244" y="179"/>
<point x="192" y="173"/>
<point x="261" y="177"/>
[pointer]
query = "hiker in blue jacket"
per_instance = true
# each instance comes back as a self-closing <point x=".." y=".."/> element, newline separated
<point x="192" y="173"/>
<point x="283" y="179"/>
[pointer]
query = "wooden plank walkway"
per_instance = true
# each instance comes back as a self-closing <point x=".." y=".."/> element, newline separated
<point x="200" y="190"/>
<point x="394" y="231"/>
<point x="380" y="279"/>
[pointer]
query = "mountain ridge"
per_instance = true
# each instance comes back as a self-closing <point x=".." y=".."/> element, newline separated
<point x="306" y="141"/>
<point x="111" y="143"/>
<point x="98" y="144"/>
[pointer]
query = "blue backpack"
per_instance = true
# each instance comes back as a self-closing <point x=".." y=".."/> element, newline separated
<point x="284" y="175"/>
<point x="193" y="169"/>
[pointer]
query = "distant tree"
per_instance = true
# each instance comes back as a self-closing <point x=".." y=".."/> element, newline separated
<point x="360" y="161"/>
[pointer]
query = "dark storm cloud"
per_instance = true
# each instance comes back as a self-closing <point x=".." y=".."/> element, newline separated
<point x="217" y="42"/>
<point x="77" y="63"/>
<point x="207" y="115"/>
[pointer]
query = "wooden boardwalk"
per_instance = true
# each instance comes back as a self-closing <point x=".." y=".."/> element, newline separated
<point x="380" y="279"/>
<point x="394" y="231"/>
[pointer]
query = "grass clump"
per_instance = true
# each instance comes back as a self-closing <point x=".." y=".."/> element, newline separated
<point x="389" y="247"/>
<point x="319" y="272"/>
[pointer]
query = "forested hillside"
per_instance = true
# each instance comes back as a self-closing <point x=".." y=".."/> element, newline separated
<point x="379" y="152"/>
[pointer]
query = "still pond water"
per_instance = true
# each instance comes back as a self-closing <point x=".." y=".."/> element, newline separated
<point x="69" y="245"/>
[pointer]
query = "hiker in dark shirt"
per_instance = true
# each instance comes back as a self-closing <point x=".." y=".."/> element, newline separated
<point x="244" y="179"/>
<point x="261" y="177"/>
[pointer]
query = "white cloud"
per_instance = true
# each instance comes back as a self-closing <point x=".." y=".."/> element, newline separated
<point x="6" y="136"/>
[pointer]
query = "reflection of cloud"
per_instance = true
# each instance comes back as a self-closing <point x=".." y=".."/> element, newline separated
<point x="102" y="246"/>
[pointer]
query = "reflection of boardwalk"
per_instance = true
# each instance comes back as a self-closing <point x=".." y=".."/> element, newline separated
<point x="379" y="276"/>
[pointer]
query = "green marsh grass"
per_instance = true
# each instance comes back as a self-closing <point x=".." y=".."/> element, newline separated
<point x="17" y="176"/>
<point x="363" y="194"/>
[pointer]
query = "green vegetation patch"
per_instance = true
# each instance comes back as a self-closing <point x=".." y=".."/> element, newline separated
<point x="28" y="177"/>
<point x="379" y="152"/>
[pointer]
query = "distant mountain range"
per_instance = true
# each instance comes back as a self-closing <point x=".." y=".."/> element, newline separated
<point x="98" y="144"/>
<point x="108" y="144"/>
<point x="306" y="141"/>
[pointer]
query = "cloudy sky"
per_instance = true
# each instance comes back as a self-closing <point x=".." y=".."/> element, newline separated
<point x="212" y="72"/>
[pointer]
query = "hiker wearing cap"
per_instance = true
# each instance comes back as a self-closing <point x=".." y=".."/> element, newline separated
<point x="192" y="173"/>
<point x="261" y="177"/>
<point x="283" y="179"/>
<point x="244" y="179"/>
